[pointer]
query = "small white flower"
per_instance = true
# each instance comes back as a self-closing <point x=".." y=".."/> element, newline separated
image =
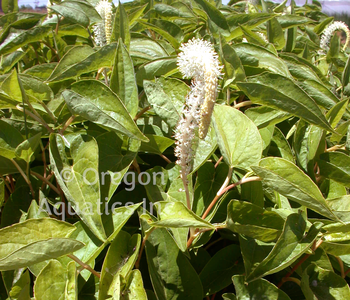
<point x="103" y="30"/>
<point x="197" y="60"/>
<point x="329" y="31"/>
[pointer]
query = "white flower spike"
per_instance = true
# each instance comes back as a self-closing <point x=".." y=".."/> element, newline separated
<point x="329" y="31"/>
<point x="197" y="60"/>
<point x="103" y="30"/>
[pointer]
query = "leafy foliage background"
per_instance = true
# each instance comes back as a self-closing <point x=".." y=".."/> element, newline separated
<point x="270" y="182"/>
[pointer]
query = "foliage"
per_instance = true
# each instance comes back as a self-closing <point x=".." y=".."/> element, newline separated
<point x="93" y="205"/>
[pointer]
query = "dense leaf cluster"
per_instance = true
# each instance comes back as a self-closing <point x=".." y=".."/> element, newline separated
<point x="92" y="203"/>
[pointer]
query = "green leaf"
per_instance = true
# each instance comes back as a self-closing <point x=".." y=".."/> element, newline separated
<point x="337" y="232"/>
<point x="67" y="69"/>
<point x="73" y="57"/>
<point x="12" y="43"/>
<point x="114" y="221"/>
<point x="238" y="138"/>
<point x="170" y="11"/>
<point x="119" y="260"/>
<point x="100" y="105"/>
<point x="249" y="21"/>
<point x="9" y="6"/>
<point x="321" y="26"/>
<point x="288" y="21"/>
<point x="161" y="31"/>
<point x="217" y="273"/>
<point x="10" y="60"/>
<point x="258" y="289"/>
<point x="176" y="215"/>
<point x="71" y="291"/>
<point x="263" y="116"/>
<point x="146" y="50"/>
<point x="172" y="275"/>
<point x="79" y="178"/>
<point x="229" y="296"/>
<point x="282" y="93"/>
<point x="204" y="149"/>
<point x="279" y="146"/>
<point x="317" y="283"/>
<point x="113" y="163"/>
<point x="10" y="138"/>
<point x="72" y="12"/>
<point x="156" y="68"/>
<point x="123" y="80"/>
<point x="320" y="93"/>
<point x="275" y="34"/>
<point x="42" y="71"/>
<point x="335" y="114"/>
<point x="232" y="63"/>
<point x="134" y="287"/>
<point x="157" y="144"/>
<point x="215" y="17"/>
<point x="73" y="29"/>
<point x="26" y="149"/>
<point x="303" y="70"/>
<point x="21" y="287"/>
<point x="287" y="179"/>
<point x="161" y="102"/>
<point x="336" y="249"/>
<point x="51" y="282"/>
<point x="259" y="57"/>
<point x="253" y="221"/>
<point x="121" y="26"/>
<point x="346" y="74"/>
<point x="208" y="183"/>
<point x="335" y="166"/>
<point x="292" y="244"/>
<point x="33" y="241"/>
<point x="308" y="142"/>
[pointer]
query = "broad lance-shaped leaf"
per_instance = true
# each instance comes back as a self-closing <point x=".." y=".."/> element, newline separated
<point x="51" y="281"/>
<point x="56" y="281"/>
<point x="26" y="149"/>
<point x="253" y="221"/>
<point x="176" y="215"/>
<point x="123" y="79"/>
<point x="10" y="138"/>
<point x="217" y="273"/>
<point x="172" y="275"/>
<point x="35" y="240"/>
<point x="238" y="138"/>
<point x="259" y="57"/>
<point x="292" y="244"/>
<point x="134" y="287"/>
<point x="79" y="181"/>
<point x="73" y="57"/>
<point x="14" y="42"/>
<point x="286" y="178"/>
<point x="335" y="166"/>
<point x="121" y="28"/>
<point x="95" y="102"/>
<point x="113" y="163"/>
<point x="258" y="289"/>
<point x="282" y="93"/>
<point x="102" y="58"/>
<point x="318" y="283"/>
<point x="161" y="102"/>
<point x="119" y="260"/>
